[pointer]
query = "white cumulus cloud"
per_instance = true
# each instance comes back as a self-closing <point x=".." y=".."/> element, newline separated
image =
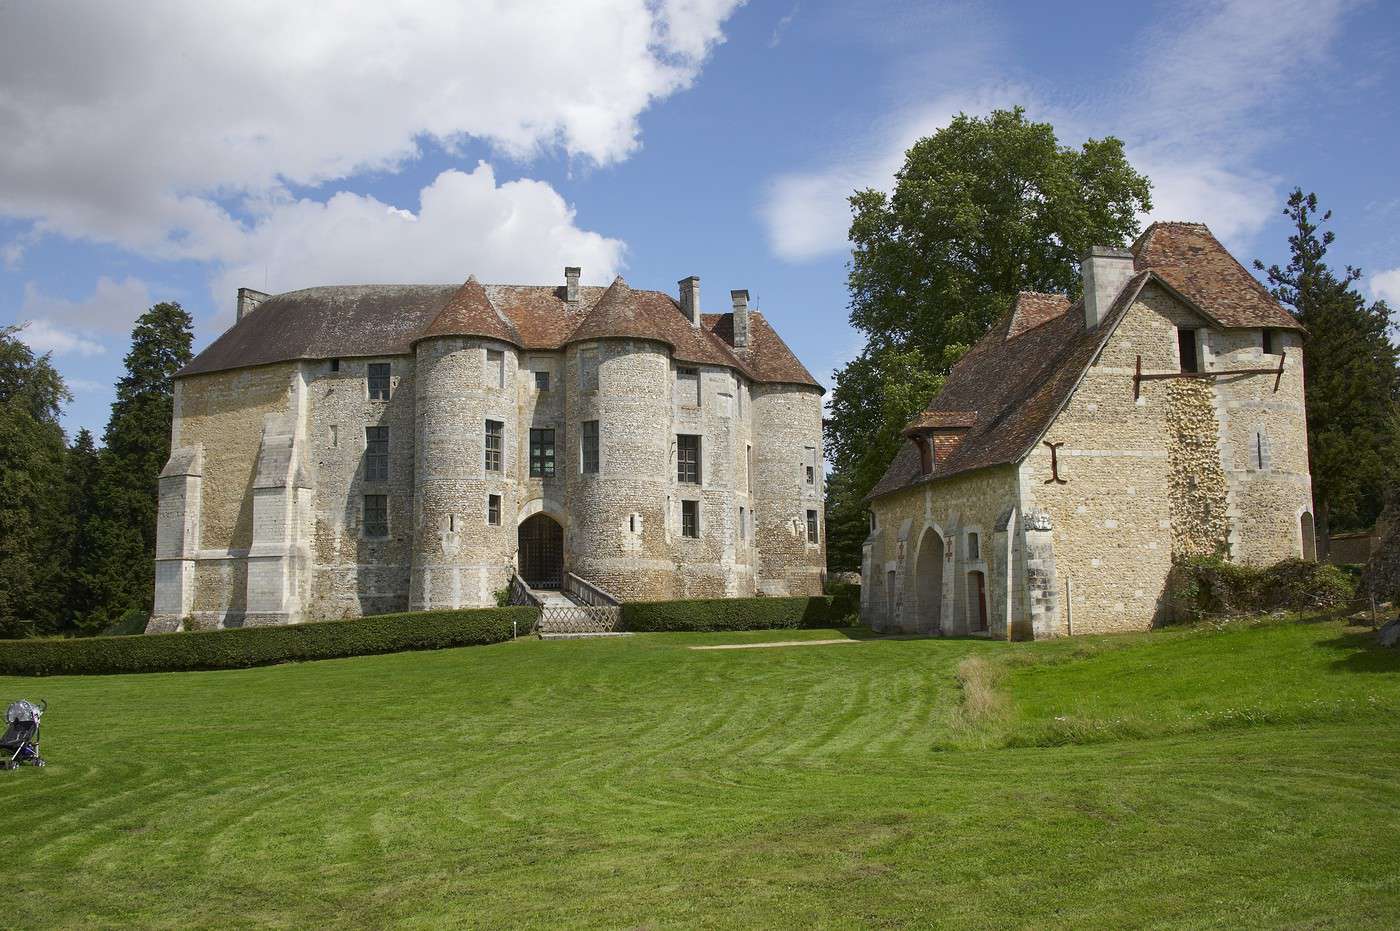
<point x="1385" y="286"/>
<point x="82" y="327"/>
<point x="138" y="123"/>
<point x="466" y="223"/>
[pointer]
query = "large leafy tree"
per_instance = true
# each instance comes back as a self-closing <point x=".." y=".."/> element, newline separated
<point x="136" y="445"/>
<point x="1350" y="369"/>
<point x="982" y="209"/>
<point x="34" y="531"/>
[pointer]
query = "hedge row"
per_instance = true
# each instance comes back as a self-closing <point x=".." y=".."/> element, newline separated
<point x="261" y="646"/>
<point x="1207" y="586"/>
<point x="716" y="614"/>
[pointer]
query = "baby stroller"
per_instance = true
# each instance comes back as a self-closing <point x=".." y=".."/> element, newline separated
<point x="21" y="738"/>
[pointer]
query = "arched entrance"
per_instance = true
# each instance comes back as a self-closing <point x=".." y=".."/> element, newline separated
<point x="928" y="583"/>
<point x="1305" y="526"/>
<point x="541" y="552"/>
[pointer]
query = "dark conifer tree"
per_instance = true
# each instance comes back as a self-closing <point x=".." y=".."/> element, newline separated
<point x="33" y="525"/>
<point x="1350" y="370"/>
<point x="81" y="473"/>
<point x="136" y="446"/>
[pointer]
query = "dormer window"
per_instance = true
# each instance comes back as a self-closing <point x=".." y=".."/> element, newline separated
<point x="925" y="455"/>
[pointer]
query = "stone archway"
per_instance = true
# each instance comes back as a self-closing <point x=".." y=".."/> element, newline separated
<point x="928" y="583"/>
<point x="541" y="551"/>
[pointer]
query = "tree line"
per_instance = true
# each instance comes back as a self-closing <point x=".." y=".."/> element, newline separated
<point x="990" y="206"/>
<point x="78" y="521"/>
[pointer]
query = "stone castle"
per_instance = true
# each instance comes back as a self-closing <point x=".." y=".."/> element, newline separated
<point x="1079" y="447"/>
<point x="343" y="451"/>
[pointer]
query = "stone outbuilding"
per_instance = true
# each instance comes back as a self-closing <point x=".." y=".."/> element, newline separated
<point x="1080" y="446"/>
<point x="343" y="451"/>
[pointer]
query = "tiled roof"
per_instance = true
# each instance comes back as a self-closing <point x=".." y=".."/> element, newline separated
<point x="1193" y="262"/>
<point x="383" y="320"/>
<point x="1020" y="375"/>
<point x="470" y="312"/>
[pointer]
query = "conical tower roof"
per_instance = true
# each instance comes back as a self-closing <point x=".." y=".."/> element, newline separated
<point x="618" y="313"/>
<point x="469" y="312"/>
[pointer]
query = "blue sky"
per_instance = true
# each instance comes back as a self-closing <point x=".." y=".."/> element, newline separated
<point x="172" y="151"/>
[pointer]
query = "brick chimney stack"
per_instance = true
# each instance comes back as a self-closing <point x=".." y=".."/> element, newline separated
<point x="690" y="299"/>
<point x="1105" y="270"/>
<point x="741" y="318"/>
<point x="571" y="276"/>
<point x="248" y="300"/>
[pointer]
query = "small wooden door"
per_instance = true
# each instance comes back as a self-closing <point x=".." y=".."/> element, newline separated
<point x="542" y="552"/>
<point x="978" y="588"/>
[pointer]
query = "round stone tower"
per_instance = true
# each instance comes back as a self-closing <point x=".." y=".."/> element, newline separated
<point x="787" y="479"/>
<point x="466" y="496"/>
<point x="618" y="366"/>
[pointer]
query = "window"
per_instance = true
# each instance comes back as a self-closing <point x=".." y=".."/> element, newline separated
<point x="376" y="454"/>
<point x="688" y="387"/>
<point x="748" y="468"/>
<point x="376" y="515"/>
<point x="493" y="510"/>
<point x="378" y="381"/>
<point x="743" y="524"/>
<point x="588" y="370"/>
<point x="541" y="379"/>
<point x="874" y="524"/>
<point x="451" y="523"/>
<point x="1266" y="341"/>
<point x="495" y="443"/>
<point x="690" y="519"/>
<point x="335" y="365"/>
<point x="688" y="458"/>
<point x="739" y="397"/>
<point x="1261" y="450"/>
<point x="541" y="452"/>
<point x="809" y="464"/>
<point x="1186" y="343"/>
<point x="811" y="526"/>
<point x="974" y="547"/>
<point x="335" y="436"/>
<point x="495" y="368"/>
<point x="589" y="447"/>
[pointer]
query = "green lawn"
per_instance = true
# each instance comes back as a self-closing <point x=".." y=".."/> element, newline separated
<point x="1235" y="778"/>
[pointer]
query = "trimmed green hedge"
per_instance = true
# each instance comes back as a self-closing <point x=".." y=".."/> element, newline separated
<point x="735" y="614"/>
<point x="261" y="646"/>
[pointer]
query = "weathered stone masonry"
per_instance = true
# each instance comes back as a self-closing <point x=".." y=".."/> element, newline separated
<point x="262" y="503"/>
<point x="1103" y="456"/>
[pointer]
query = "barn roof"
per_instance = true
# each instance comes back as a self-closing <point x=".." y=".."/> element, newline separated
<point x="1020" y="375"/>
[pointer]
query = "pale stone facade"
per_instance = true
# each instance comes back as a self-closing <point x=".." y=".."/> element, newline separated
<point x="1138" y="461"/>
<point x="263" y="504"/>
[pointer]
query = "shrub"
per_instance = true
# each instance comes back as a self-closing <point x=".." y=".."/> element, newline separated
<point x="132" y="622"/>
<point x="1212" y="587"/>
<point x="845" y="597"/>
<point x="261" y="646"/>
<point x="715" y="614"/>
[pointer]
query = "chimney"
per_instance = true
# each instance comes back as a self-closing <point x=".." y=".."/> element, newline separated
<point x="1105" y="270"/>
<point x="248" y="300"/>
<point x="741" y="318"/>
<point x="690" y="299"/>
<point x="571" y="275"/>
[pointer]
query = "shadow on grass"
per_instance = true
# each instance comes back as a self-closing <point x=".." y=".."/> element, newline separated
<point x="1365" y="653"/>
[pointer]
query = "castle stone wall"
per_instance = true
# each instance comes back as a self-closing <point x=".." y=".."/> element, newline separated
<point x="787" y="423"/>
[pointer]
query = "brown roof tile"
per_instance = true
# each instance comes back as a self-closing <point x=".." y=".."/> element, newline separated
<point x="1022" y="373"/>
<point x="1193" y="262"/>
<point x="470" y="312"/>
<point x="379" y="320"/>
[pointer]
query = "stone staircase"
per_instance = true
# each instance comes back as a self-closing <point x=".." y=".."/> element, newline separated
<point x="578" y="609"/>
